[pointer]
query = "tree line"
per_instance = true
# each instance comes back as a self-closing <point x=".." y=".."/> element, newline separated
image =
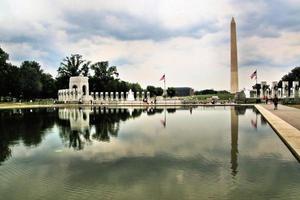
<point x="29" y="81"/>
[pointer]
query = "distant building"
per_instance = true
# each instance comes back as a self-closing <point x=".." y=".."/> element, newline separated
<point x="183" y="91"/>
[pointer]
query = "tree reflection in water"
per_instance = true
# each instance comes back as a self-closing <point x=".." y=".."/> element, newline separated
<point x="27" y="126"/>
<point x="79" y="127"/>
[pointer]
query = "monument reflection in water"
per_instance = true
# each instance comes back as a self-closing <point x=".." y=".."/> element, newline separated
<point x="80" y="126"/>
<point x="153" y="153"/>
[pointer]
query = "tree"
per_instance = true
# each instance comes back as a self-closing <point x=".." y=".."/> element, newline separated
<point x="103" y="71"/>
<point x="159" y="91"/>
<point x="30" y="79"/>
<point x="104" y="77"/>
<point x="171" y="92"/>
<point x="9" y="76"/>
<point x="3" y="57"/>
<point x="49" y="89"/>
<point x="135" y="87"/>
<point x="154" y="91"/>
<point x="84" y="71"/>
<point x="294" y="75"/>
<point x="71" y="66"/>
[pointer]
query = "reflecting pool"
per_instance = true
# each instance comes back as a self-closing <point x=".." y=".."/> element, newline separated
<point x="143" y="153"/>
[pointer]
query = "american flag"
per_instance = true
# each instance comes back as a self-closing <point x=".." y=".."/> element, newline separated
<point x="254" y="74"/>
<point x="163" y="77"/>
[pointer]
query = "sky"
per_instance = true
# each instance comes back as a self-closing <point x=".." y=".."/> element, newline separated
<point x="188" y="40"/>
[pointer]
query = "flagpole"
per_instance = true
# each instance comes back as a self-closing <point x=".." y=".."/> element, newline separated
<point x="256" y="83"/>
<point x="165" y="91"/>
<point x="165" y="117"/>
<point x="165" y="83"/>
<point x="256" y="76"/>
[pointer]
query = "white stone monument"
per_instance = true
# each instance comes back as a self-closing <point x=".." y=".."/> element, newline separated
<point x="130" y="96"/>
<point x="78" y="90"/>
<point x="274" y="88"/>
<point x="285" y="89"/>
<point x="296" y="89"/>
<point x="262" y="90"/>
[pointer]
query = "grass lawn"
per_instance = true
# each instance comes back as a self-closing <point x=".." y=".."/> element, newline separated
<point x="7" y="105"/>
<point x="221" y="96"/>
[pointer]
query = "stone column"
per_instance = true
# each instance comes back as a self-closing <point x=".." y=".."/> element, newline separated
<point x="74" y="94"/>
<point x="101" y="96"/>
<point x="126" y="95"/>
<point x="137" y="96"/>
<point x="296" y="89"/>
<point x="97" y="96"/>
<point x="291" y="93"/>
<point x="111" y="96"/>
<point x="92" y="94"/>
<point x="274" y="88"/>
<point x="117" y="96"/>
<point x="263" y="92"/>
<point x="122" y="96"/>
<point x="68" y="95"/>
<point x="106" y="96"/>
<point x="143" y="95"/>
<point x="148" y="96"/>
<point x="285" y="89"/>
<point x="279" y="92"/>
<point x="58" y="95"/>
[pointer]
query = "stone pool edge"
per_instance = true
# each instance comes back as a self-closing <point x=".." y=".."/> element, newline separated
<point x="23" y="106"/>
<point x="287" y="133"/>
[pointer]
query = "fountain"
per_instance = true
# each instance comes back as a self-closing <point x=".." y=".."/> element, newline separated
<point x="130" y="96"/>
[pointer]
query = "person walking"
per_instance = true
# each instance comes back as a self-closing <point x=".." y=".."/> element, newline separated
<point x="275" y="101"/>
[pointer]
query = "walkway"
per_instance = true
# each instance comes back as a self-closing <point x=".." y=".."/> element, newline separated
<point x="285" y="121"/>
<point x="288" y="114"/>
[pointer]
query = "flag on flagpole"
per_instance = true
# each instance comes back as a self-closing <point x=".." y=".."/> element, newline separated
<point x="254" y="74"/>
<point x="162" y="78"/>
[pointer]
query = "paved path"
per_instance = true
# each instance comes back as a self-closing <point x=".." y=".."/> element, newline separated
<point x="288" y="114"/>
<point x="281" y="121"/>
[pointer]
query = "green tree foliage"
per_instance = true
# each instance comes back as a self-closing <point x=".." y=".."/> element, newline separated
<point x="294" y="75"/>
<point x="9" y="76"/>
<point x="206" y="91"/>
<point x="71" y="66"/>
<point x="154" y="91"/>
<point x="104" y="77"/>
<point x="171" y="92"/>
<point x="103" y="71"/>
<point x="30" y="79"/>
<point x="135" y="87"/>
<point x="210" y="91"/>
<point x="49" y="89"/>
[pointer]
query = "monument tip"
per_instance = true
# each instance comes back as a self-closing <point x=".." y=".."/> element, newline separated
<point x="232" y="20"/>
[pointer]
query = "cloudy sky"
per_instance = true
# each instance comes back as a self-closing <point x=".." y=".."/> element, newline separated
<point x="186" y="39"/>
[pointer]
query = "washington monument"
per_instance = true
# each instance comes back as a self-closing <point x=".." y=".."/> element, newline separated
<point x="234" y="83"/>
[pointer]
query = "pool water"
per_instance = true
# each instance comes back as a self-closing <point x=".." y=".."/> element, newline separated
<point x="143" y="153"/>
